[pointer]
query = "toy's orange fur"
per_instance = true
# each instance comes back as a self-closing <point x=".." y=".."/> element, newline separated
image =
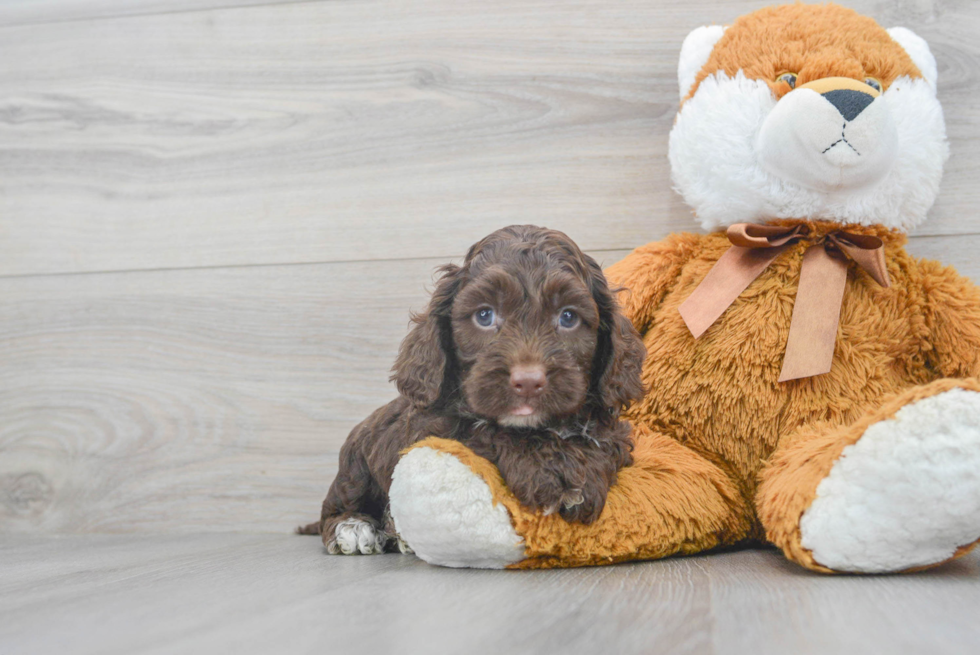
<point x="724" y="453"/>
<point x="813" y="41"/>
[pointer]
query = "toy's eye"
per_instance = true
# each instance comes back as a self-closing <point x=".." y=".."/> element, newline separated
<point x="789" y="78"/>
<point x="873" y="83"/>
<point x="568" y="319"/>
<point x="484" y="317"/>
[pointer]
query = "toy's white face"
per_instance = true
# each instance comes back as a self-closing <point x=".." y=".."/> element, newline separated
<point x="834" y="149"/>
<point x="830" y="137"/>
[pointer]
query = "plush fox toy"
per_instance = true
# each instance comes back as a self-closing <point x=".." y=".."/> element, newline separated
<point x="810" y="383"/>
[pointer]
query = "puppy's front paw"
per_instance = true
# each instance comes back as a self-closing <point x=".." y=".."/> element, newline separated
<point x="571" y="498"/>
<point x="356" y="536"/>
<point x="582" y="506"/>
<point x="392" y="536"/>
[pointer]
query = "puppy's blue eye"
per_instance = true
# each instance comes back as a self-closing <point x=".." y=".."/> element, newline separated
<point x="873" y="83"/>
<point x="567" y="319"/>
<point x="484" y="317"/>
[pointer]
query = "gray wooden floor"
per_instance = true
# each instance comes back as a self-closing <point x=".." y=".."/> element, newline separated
<point x="243" y="594"/>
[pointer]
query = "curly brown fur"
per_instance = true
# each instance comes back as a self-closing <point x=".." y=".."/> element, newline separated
<point x="524" y="355"/>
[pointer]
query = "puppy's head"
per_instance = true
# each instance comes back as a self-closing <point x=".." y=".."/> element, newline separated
<point x="524" y="332"/>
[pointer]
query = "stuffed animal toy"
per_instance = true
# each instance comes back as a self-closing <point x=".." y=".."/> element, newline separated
<point x="810" y="384"/>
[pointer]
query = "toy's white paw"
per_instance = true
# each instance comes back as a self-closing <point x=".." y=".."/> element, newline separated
<point x="356" y="536"/>
<point x="906" y="495"/>
<point x="447" y="513"/>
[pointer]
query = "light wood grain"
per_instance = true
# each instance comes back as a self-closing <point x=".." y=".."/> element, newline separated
<point x="28" y="12"/>
<point x="191" y="399"/>
<point x="962" y="252"/>
<point x="763" y="604"/>
<point x="375" y="129"/>
<point x="281" y="594"/>
<point x="212" y="399"/>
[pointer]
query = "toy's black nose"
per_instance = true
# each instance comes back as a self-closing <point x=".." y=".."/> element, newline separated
<point x="849" y="102"/>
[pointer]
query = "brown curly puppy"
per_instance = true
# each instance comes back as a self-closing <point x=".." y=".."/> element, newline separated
<point x="524" y="356"/>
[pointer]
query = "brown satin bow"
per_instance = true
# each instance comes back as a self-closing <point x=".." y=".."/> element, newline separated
<point x="816" y="312"/>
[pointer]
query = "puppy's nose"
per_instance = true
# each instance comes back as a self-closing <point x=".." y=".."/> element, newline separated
<point x="528" y="381"/>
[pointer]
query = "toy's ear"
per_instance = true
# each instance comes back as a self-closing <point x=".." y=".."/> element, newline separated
<point x="694" y="54"/>
<point x="918" y="50"/>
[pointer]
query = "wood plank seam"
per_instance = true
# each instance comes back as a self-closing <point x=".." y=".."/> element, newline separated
<point x="217" y="5"/>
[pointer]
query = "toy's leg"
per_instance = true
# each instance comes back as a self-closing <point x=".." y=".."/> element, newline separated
<point x="898" y="490"/>
<point x="454" y="509"/>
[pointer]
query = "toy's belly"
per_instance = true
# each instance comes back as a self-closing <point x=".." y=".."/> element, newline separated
<point x="719" y="393"/>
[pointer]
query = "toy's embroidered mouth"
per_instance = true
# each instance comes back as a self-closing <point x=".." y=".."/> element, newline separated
<point x="843" y="140"/>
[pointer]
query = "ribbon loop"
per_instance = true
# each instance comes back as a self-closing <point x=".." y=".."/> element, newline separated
<point x="750" y="235"/>
<point x="867" y="251"/>
<point x="823" y="278"/>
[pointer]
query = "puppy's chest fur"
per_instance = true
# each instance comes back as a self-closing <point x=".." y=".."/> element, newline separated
<point x="566" y="466"/>
<point x="544" y="443"/>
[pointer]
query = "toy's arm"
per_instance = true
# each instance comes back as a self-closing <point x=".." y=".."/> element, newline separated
<point x="953" y="318"/>
<point x="648" y="273"/>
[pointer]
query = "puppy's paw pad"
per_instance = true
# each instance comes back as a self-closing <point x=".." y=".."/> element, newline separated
<point x="356" y="536"/>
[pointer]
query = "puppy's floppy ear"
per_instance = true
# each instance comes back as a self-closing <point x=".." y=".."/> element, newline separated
<point x="619" y="352"/>
<point x="426" y="354"/>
